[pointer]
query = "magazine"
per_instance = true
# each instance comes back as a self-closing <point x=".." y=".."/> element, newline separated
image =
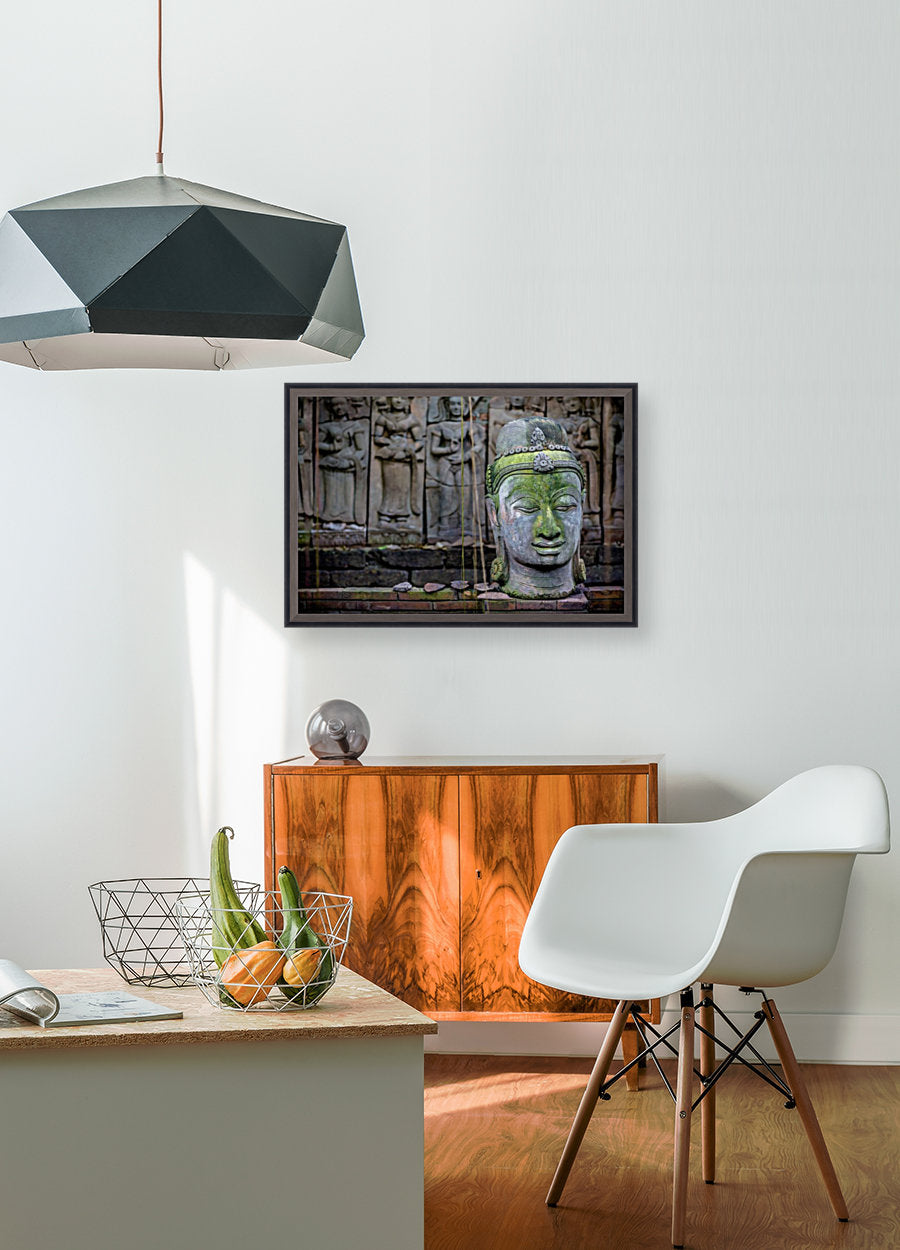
<point x="27" y="1001"/>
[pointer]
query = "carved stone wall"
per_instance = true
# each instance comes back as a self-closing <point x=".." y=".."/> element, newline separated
<point x="409" y="470"/>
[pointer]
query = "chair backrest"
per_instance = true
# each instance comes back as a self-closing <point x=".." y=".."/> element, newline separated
<point x="753" y="899"/>
<point x="782" y="919"/>
<point x="838" y="807"/>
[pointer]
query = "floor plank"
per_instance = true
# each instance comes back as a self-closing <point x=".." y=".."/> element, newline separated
<point x="495" y="1125"/>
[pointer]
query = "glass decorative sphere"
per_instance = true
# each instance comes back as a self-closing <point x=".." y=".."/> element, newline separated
<point x="337" y="730"/>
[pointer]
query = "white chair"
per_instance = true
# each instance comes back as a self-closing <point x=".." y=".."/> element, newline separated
<point x="753" y="900"/>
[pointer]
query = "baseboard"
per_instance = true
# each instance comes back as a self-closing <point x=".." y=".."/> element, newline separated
<point x="815" y="1038"/>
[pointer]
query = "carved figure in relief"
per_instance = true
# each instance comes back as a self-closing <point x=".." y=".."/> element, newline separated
<point x="585" y="439"/>
<point x="445" y="468"/>
<point x="443" y="478"/>
<point x="454" y="468"/>
<point x="397" y="442"/>
<point x="535" y="502"/>
<point x="341" y="457"/>
<point x="614" y="477"/>
<point x="515" y="408"/>
<point x="304" y="470"/>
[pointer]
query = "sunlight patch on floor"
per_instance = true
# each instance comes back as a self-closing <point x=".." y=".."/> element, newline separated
<point x="505" y="1088"/>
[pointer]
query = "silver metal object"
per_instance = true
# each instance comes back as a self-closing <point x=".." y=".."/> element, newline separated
<point x="337" y="730"/>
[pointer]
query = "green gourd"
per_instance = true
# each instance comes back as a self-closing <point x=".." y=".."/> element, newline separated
<point x="298" y="934"/>
<point x="233" y="928"/>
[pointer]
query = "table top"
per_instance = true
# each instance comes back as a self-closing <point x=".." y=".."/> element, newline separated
<point x="352" y="1008"/>
<point x="472" y="763"/>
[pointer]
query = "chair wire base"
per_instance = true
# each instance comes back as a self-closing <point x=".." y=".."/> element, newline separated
<point x="761" y="1068"/>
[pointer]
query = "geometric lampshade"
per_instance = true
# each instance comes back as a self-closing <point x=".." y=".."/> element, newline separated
<point x="158" y="272"/>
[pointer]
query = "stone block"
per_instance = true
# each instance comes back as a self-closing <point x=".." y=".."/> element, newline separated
<point x="419" y="592"/>
<point x="573" y="603"/>
<point x="605" y="599"/>
<point x="403" y="557"/>
<point x="404" y="605"/>
<point x="344" y="558"/>
<point x="376" y="577"/>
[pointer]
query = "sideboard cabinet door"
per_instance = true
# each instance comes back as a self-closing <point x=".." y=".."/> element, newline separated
<point x="392" y="842"/>
<point x="443" y="858"/>
<point x="509" y="824"/>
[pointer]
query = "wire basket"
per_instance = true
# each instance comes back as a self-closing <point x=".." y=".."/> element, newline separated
<point x="140" y="930"/>
<point x="237" y="969"/>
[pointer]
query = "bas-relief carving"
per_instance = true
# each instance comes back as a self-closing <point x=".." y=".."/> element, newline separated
<point x="305" y="494"/>
<point x="411" y="470"/>
<point x="342" y="448"/>
<point x="396" y="477"/>
<point x="578" y="416"/>
<point x="613" y="429"/>
<point x="506" y="408"/>
<point x="333" y="459"/>
<point x="454" y="468"/>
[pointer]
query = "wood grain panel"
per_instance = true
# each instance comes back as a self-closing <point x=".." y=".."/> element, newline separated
<point x="509" y="824"/>
<point x="390" y="841"/>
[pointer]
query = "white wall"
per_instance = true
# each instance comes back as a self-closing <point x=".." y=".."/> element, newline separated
<point x="699" y="197"/>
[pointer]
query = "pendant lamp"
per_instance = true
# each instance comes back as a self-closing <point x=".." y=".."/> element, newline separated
<point x="162" y="273"/>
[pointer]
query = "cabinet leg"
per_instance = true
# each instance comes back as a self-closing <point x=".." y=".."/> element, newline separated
<point x="630" y="1046"/>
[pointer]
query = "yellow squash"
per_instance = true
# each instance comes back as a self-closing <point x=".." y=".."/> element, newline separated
<point x="249" y="974"/>
<point x="301" y="967"/>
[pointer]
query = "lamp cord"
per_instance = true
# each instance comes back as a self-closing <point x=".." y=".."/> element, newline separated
<point x="159" y="83"/>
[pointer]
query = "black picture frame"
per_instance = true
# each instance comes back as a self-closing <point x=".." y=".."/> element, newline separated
<point x="385" y="516"/>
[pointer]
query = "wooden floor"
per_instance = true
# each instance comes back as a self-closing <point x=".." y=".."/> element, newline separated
<point x="494" y="1127"/>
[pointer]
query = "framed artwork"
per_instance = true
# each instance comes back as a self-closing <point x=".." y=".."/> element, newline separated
<point x="460" y="505"/>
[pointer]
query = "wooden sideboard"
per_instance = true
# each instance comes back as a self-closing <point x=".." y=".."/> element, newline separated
<point x="442" y="857"/>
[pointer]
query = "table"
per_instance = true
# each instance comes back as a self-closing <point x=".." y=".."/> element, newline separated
<point x="222" y="1129"/>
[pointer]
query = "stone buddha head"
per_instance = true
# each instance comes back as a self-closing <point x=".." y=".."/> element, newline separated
<point x="535" y="499"/>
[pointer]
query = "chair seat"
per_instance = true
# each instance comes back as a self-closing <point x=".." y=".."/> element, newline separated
<point x="623" y="978"/>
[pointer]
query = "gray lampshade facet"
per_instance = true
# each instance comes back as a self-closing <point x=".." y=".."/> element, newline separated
<point x="33" y="296"/>
<point x="162" y="273"/>
<point x="92" y="247"/>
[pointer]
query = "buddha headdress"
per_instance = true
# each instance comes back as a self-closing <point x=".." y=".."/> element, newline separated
<point x="531" y="445"/>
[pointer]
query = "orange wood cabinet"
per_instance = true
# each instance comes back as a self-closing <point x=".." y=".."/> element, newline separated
<point x="442" y="858"/>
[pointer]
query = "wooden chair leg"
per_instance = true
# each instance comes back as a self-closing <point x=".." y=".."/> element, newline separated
<point x="707" y="1019"/>
<point x="791" y="1068"/>
<point x="630" y="1046"/>
<point x="683" y="1101"/>
<point x="588" y="1102"/>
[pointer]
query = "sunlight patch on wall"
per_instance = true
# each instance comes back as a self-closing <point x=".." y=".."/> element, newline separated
<point x="238" y="684"/>
<point x="252" y="690"/>
<point x="200" y="606"/>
